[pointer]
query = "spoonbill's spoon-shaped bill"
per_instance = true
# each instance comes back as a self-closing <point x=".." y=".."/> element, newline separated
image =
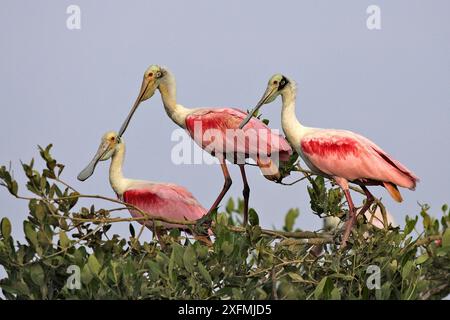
<point x="103" y="153"/>
<point x="148" y="87"/>
<point x="269" y="96"/>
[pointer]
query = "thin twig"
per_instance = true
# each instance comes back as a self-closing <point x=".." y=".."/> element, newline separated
<point x="427" y="240"/>
<point x="311" y="241"/>
<point x="64" y="183"/>
<point x="285" y="234"/>
<point x="274" y="284"/>
<point x="294" y="182"/>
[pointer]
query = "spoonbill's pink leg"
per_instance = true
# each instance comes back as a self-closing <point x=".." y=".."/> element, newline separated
<point x="226" y="186"/>
<point x="245" y="193"/>
<point x="351" y="215"/>
<point x="369" y="200"/>
<point x="352" y="212"/>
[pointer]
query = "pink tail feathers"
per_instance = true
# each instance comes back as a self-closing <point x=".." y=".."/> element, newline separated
<point x="393" y="191"/>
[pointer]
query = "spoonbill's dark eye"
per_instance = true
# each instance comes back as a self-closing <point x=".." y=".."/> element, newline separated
<point x="275" y="82"/>
<point x="150" y="74"/>
<point x="283" y="83"/>
<point x="159" y="74"/>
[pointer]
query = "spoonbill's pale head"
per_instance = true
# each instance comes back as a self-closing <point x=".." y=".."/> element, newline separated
<point x="108" y="146"/>
<point x="276" y="86"/>
<point x="151" y="81"/>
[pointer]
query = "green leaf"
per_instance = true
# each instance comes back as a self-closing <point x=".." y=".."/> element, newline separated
<point x="227" y="248"/>
<point x="289" y="219"/>
<point x="422" y="258"/>
<point x="336" y="294"/>
<point x="171" y="267"/>
<point x="114" y="272"/>
<point x="237" y="294"/>
<point x="155" y="270"/>
<point x="230" y="206"/>
<point x="43" y="183"/>
<point x="45" y="238"/>
<point x="205" y="274"/>
<point x="86" y="275"/>
<point x="31" y="234"/>
<point x="240" y="207"/>
<point x="407" y="268"/>
<point x="323" y="289"/>
<point x="189" y="258"/>
<point x="446" y="238"/>
<point x="40" y="212"/>
<point x="295" y="277"/>
<point x="60" y="169"/>
<point x="5" y="226"/>
<point x="222" y="219"/>
<point x="73" y="198"/>
<point x="426" y="217"/>
<point x="253" y="217"/>
<point x="202" y="251"/>
<point x="94" y="265"/>
<point x="18" y="287"/>
<point x="14" y="188"/>
<point x="64" y="241"/>
<point x="37" y="274"/>
<point x="178" y="252"/>
<point x="346" y="277"/>
<point x="385" y="291"/>
<point x="175" y="233"/>
<point x="410" y="224"/>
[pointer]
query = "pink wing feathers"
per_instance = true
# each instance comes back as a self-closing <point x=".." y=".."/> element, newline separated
<point x="254" y="140"/>
<point x="351" y="156"/>
<point x="164" y="200"/>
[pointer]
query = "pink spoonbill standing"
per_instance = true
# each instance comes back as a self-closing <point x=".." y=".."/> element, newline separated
<point x="337" y="154"/>
<point x="164" y="200"/>
<point x="232" y="143"/>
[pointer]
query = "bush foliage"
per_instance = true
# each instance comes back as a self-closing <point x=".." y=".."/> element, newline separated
<point x="250" y="263"/>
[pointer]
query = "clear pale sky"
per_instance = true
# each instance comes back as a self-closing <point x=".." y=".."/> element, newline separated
<point x="68" y="87"/>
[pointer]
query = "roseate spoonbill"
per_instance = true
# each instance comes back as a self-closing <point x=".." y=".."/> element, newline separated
<point x="337" y="154"/>
<point x="158" y="199"/>
<point x="231" y="144"/>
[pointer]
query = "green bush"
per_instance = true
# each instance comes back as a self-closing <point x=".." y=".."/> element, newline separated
<point x="250" y="263"/>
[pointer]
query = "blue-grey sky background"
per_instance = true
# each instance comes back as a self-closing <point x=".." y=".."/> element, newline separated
<point x="68" y="87"/>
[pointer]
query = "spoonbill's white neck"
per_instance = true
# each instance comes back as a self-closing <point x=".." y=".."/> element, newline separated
<point x="292" y="128"/>
<point x="168" y="90"/>
<point x="116" y="179"/>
